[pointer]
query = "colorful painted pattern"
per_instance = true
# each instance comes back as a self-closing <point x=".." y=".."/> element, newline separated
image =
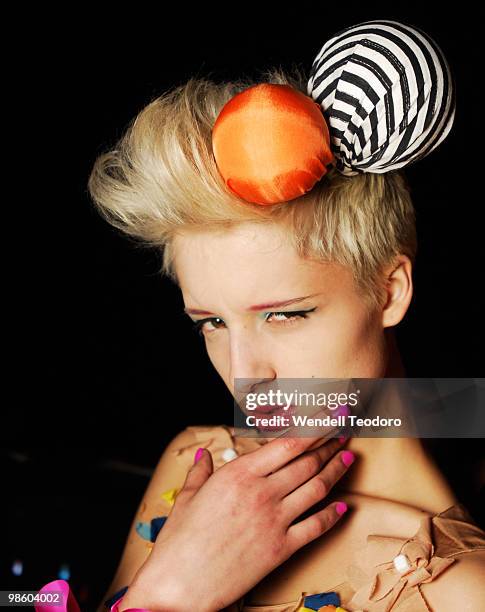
<point x="170" y="495"/>
<point x="322" y="602"/>
<point x="150" y="530"/>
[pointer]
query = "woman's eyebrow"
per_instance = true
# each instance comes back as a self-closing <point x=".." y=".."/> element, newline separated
<point x="280" y="303"/>
<point x="196" y="311"/>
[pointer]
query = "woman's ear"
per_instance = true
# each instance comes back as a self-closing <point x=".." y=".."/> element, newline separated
<point x="399" y="290"/>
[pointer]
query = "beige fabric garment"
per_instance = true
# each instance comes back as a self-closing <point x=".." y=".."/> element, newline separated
<point x="373" y="584"/>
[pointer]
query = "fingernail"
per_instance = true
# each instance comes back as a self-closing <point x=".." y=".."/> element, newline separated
<point x="341" y="507"/>
<point x="198" y="454"/>
<point x="343" y="410"/>
<point x="342" y="439"/>
<point x="348" y="457"/>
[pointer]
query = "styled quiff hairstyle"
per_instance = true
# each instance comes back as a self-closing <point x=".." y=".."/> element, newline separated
<point x="161" y="179"/>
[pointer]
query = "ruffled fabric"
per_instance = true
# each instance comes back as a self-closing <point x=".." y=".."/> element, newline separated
<point x="379" y="586"/>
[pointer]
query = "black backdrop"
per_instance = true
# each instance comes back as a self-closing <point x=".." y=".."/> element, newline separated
<point x="100" y="342"/>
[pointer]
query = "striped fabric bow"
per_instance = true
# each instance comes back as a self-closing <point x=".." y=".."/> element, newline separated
<point x="387" y="93"/>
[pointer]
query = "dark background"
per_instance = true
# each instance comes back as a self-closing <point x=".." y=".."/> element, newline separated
<point x="100" y="341"/>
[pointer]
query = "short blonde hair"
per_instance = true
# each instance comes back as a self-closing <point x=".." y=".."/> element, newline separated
<point x="161" y="178"/>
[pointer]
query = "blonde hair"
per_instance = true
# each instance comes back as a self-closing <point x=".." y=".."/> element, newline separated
<point x="161" y="178"/>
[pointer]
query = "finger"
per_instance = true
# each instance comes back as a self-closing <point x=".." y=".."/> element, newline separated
<point x="318" y="487"/>
<point x="277" y="453"/>
<point x="310" y="431"/>
<point x="314" y="526"/>
<point x="198" y="474"/>
<point x="302" y="468"/>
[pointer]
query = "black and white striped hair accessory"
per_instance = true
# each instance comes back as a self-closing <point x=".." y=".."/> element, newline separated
<point x="387" y="93"/>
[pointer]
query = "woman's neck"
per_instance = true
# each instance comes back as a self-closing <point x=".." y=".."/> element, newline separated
<point x="398" y="469"/>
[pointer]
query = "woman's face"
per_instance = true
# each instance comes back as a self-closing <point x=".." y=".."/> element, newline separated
<point x="266" y="313"/>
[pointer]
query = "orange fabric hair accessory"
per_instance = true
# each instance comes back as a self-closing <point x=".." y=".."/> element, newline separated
<point x="271" y="144"/>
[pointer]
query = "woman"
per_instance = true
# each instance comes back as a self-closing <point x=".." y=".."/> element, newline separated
<point x="301" y="275"/>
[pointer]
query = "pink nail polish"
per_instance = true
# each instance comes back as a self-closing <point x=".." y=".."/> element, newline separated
<point x="342" y="439"/>
<point x="341" y="507"/>
<point x="343" y="410"/>
<point x="198" y="454"/>
<point x="348" y="457"/>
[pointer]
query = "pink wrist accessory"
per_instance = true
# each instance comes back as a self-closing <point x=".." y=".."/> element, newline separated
<point x="69" y="602"/>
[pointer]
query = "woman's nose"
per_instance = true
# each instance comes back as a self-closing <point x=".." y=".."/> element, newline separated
<point x="249" y="363"/>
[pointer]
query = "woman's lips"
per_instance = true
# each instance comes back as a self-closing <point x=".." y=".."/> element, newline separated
<point x="275" y="410"/>
<point x="263" y="409"/>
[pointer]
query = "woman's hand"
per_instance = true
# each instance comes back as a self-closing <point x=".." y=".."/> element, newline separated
<point x="230" y="528"/>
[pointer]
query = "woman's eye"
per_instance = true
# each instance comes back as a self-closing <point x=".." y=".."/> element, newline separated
<point x="211" y="324"/>
<point x="287" y="317"/>
<point x="208" y="325"/>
